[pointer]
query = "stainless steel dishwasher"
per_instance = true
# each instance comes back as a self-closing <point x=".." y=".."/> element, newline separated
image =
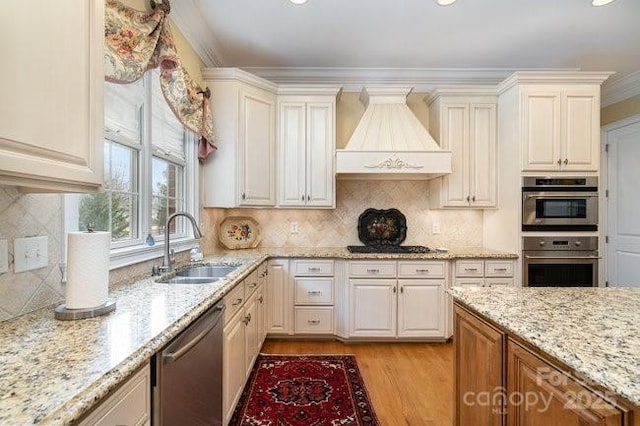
<point x="188" y="374"/>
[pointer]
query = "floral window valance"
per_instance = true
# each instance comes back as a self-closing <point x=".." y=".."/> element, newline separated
<point x="137" y="41"/>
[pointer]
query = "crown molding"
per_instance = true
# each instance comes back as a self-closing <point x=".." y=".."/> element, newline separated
<point x="621" y="89"/>
<point x="553" y="77"/>
<point x="188" y="18"/>
<point x="354" y="79"/>
<point x="238" y="75"/>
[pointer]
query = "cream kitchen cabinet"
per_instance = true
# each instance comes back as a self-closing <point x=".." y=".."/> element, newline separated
<point x="561" y="128"/>
<point x="403" y="299"/>
<point x="241" y="339"/>
<point x="51" y="80"/>
<point x="278" y="298"/>
<point x="466" y="125"/>
<point x="306" y="144"/>
<point x="242" y="171"/>
<point x="130" y="404"/>
<point x="313" y="296"/>
<point x="484" y="273"/>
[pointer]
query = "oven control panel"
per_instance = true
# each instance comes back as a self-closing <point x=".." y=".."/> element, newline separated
<point x="560" y="243"/>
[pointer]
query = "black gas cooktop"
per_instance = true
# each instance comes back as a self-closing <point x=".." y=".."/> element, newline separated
<point x="386" y="248"/>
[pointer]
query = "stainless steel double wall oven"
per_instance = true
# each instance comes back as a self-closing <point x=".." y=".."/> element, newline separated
<point x="554" y="211"/>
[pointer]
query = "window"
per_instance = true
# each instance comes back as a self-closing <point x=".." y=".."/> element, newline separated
<point x="149" y="173"/>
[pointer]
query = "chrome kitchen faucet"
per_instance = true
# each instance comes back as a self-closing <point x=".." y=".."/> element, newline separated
<point x="167" y="262"/>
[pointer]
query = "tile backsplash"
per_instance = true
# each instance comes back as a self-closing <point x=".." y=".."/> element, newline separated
<point x="25" y="215"/>
<point x="338" y="227"/>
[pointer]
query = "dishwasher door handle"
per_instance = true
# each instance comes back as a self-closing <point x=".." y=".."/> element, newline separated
<point x="176" y="355"/>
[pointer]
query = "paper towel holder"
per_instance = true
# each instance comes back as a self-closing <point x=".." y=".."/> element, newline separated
<point x="65" y="314"/>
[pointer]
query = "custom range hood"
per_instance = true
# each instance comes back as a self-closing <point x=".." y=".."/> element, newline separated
<point x="390" y="142"/>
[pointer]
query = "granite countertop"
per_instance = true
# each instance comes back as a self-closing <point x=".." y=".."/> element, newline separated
<point x="52" y="372"/>
<point x="595" y="331"/>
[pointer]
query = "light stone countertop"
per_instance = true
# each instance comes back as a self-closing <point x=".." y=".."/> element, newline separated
<point x="595" y="331"/>
<point x="53" y="372"/>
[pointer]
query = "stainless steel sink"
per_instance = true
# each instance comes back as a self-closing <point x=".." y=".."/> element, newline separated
<point x="216" y="271"/>
<point x="189" y="280"/>
<point x="199" y="274"/>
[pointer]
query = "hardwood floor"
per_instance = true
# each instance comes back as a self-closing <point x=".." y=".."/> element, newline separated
<point x="409" y="383"/>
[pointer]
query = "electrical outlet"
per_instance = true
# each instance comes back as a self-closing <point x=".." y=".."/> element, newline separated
<point x="31" y="253"/>
<point x="4" y="256"/>
<point x="435" y="228"/>
<point x="293" y="227"/>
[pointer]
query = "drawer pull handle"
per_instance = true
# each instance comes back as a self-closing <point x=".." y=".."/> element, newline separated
<point x="237" y="302"/>
<point x="313" y="269"/>
<point x="313" y="322"/>
<point x="314" y="293"/>
<point x="260" y="299"/>
<point x="253" y="285"/>
<point x="471" y="269"/>
<point x="422" y="271"/>
<point x="373" y="271"/>
<point x="501" y="269"/>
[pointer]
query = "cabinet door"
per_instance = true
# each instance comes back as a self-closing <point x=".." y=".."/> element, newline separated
<point x="455" y="136"/>
<point x="51" y="81"/>
<point x="551" y="398"/>
<point x="373" y="307"/>
<point x="482" y="155"/>
<point x="251" y="331"/>
<point x="292" y="153"/>
<point x="320" y="177"/>
<point x="581" y="129"/>
<point x="257" y="148"/>
<point x="421" y="309"/>
<point x="233" y="361"/>
<point x="478" y="371"/>
<point x="279" y="304"/>
<point x="541" y="129"/>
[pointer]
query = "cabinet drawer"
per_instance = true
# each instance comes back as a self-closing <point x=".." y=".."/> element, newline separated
<point x="498" y="268"/>
<point x="313" y="291"/>
<point x="129" y="405"/>
<point x="313" y="268"/>
<point x="498" y="282"/>
<point x="469" y="268"/>
<point x="313" y="320"/>
<point x="250" y="284"/>
<point x="468" y="282"/>
<point x="421" y="269"/>
<point x="372" y="269"/>
<point x="233" y="301"/>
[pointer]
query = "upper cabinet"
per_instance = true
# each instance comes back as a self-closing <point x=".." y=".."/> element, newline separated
<point x="51" y="105"/>
<point x="561" y="128"/>
<point x="466" y="125"/>
<point x="306" y="144"/>
<point x="242" y="171"/>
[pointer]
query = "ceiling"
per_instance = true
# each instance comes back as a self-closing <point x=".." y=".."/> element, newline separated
<point x="492" y="35"/>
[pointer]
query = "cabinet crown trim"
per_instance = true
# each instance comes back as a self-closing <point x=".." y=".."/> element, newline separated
<point x="553" y="77"/>
<point x="238" y="75"/>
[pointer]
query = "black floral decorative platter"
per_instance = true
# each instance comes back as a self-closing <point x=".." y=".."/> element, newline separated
<point x="382" y="227"/>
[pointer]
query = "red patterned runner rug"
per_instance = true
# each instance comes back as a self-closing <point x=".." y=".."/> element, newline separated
<point x="313" y="390"/>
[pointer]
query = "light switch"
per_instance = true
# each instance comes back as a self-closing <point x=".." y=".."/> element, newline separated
<point x="31" y="253"/>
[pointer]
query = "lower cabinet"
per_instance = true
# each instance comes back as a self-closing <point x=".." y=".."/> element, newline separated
<point x="130" y="404"/>
<point x="397" y="299"/>
<point x="243" y="338"/>
<point x="484" y="273"/>
<point x="278" y="296"/>
<point x="551" y="397"/>
<point x="499" y="381"/>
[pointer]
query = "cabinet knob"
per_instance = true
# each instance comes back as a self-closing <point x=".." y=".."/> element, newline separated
<point x="244" y="196"/>
<point x="401" y="289"/>
<point x="308" y="197"/>
<point x="473" y="198"/>
<point x="302" y="197"/>
<point x="260" y="299"/>
<point x="468" y="198"/>
<point x="394" y="290"/>
<point x="559" y="161"/>
<point x="566" y="161"/>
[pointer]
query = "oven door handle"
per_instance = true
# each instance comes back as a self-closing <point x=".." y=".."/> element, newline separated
<point x="526" y="256"/>
<point x="563" y="196"/>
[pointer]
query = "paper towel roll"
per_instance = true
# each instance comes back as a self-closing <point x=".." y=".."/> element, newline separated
<point x="87" y="269"/>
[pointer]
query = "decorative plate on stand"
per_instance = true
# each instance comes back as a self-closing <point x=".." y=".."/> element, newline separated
<point x="239" y="232"/>
<point x="382" y="227"/>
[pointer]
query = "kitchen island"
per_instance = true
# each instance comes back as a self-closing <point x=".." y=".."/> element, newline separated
<point x="55" y="372"/>
<point x="551" y="356"/>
